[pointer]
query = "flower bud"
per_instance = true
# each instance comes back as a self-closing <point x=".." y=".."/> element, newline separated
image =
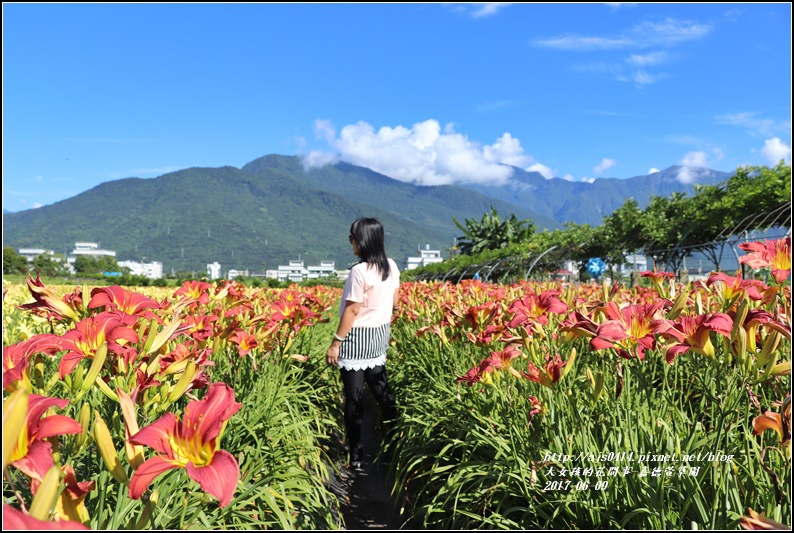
<point x="107" y="450"/>
<point x="46" y="494"/>
<point x="15" y="411"/>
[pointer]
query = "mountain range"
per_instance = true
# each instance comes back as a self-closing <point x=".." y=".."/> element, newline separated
<point x="273" y="209"/>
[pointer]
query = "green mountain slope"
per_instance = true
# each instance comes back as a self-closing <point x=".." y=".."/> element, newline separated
<point x="588" y="203"/>
<point x="431" y="207"/>
<point x="244" y="220"/>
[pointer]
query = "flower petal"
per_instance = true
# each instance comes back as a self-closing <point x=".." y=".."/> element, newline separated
<point x="146" y="473"/>
<point x="157" y="435"/>
<point x="219" y="478"/>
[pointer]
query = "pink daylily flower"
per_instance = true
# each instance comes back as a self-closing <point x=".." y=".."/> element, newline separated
<point x="773" y="254"/>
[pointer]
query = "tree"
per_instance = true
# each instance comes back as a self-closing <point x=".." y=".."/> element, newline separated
<point x="45" y="265"/>
<point x="491" y="233"/>
<point x="13" y="263"/>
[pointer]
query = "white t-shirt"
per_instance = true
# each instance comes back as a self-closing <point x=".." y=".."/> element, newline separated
<point x="365" y="285"/>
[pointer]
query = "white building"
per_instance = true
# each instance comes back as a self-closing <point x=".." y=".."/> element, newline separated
<point x="232" y="274"/>
<point x="296" y="272"/>
<point x="426" y="257"/>
<point x="32" y="253"/>
<point x="634" y="262"/>
<point x="90" y="249"/>
<point x="153" y="270"/>
<point x="214" y="270"/>
<point x="324" y="270"/>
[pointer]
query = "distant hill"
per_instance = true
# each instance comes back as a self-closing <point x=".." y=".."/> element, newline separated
<point x="273" y="210"/>
<point x="588" y="203"/>
<point x="253" y="218"/>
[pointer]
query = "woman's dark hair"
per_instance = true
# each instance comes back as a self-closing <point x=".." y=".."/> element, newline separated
<point x="368" y="233"/>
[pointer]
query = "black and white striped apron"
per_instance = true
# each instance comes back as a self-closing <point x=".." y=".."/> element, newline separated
<point x="362" y="344"/>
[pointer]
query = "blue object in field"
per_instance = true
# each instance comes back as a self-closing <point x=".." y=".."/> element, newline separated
<point x="112" y="274"/>
<point x="595" y="267"/>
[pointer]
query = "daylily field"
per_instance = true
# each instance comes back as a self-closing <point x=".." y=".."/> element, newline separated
<point x="534" y="405"/>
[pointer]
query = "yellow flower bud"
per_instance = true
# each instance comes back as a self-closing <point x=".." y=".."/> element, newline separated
<point x="107" y="450"/>
<point x="15" y="411"/>
<point x="46" y="494"/>
<point x="84" y="419"/>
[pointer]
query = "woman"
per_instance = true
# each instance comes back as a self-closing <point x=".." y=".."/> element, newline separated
<point x="362" y="337"/>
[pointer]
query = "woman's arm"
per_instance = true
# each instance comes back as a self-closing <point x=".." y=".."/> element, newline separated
<point x="345" y="325"/>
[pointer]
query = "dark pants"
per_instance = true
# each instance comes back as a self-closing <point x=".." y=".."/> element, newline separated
<point x="353" y="381"/>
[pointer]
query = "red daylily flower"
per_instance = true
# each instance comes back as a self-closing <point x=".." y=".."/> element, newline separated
<point x="192" y="444"/>
<point x="630" y="329"/>
<point x="48" y="304"/>
<point x="244" y="340"/>
<point x="32" y="452"/>
<point x="758" y="522"/>
<point x="16" y="520"/>
<point x="194" y="292"/>
<point x="116" y="298"/>
<point x="535" y="407"/>
<point x="199" y="327"/>
<point x="16" y="358"/>
<point x="773" y="254"/>
<point x="536" y="308"/>
<point x="694" y="333"/>
<point x="89" y="334"/>
<point x="732" y="287"/>
<point x="550" y="374"/>
<point x="657" y="278"/>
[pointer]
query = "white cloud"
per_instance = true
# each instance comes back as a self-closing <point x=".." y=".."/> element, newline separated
<point x="36" y="205"/>
<point x="774" y="150"/>
<point x="479" y="9"/>
<point x="645" y="60"/>
<point x="324" y="129"/>
<point x="644" y="35"/>
<point x="604" y="165"/>
<point x="543" y="170"/>
<point x="317" y="159"/>
<point x="422" y="154"/>
<point x="754" y="124"/>
<point x="487" y="9"/>
<point x="695" y="159"/>
<point x="653" y="170"/>
<point x="691" y="165"/>
<point x="588" y="180"/>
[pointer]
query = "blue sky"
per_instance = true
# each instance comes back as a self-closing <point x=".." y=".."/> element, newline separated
<point x="427" y="93"/>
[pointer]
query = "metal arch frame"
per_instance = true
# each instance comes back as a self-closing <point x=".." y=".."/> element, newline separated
<point x="526" y="276"/>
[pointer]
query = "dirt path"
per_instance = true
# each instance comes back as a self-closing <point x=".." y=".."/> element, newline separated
<point x="366" y="500"/>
